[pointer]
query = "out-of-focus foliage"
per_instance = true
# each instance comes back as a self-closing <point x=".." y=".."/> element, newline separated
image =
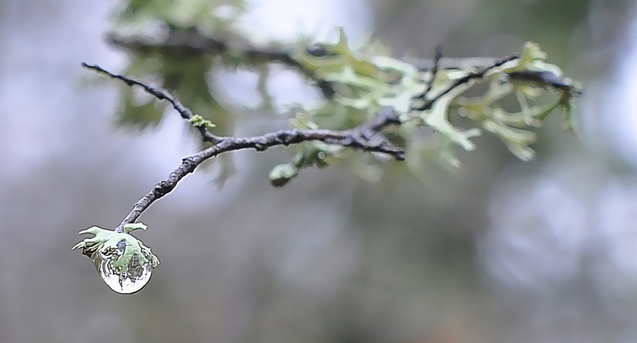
<point x="365" y="83"/>
<point x="357" y="83"/>
<point x="182" y="71"/>
<point x="208" y="17"/>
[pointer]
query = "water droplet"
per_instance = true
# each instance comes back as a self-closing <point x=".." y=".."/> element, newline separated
<point x="127" y="279"/>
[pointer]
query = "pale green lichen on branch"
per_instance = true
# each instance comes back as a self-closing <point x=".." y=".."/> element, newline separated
<point x="199" y="121"/>
<point x="365" y="83"/>
<point x="310" y="154"/>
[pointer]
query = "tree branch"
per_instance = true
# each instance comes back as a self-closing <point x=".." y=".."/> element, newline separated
<point x="359" y="138"/>
<point x="364" y="137"/>
<point x="192" y="40"/>
<point x="195" y="41"/>
<point x="160" y="94"/>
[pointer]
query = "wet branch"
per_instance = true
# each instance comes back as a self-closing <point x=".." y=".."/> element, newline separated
<point x="195" y="42"/>
<point x="363" y="137"/>
<point x="160" y="94"/>
<point x="359" y="138"/>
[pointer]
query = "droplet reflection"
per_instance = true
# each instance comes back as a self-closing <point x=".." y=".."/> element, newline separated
<point x="124" y="280"/>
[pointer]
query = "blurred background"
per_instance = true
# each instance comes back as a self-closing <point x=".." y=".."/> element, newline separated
<point x="497" y="251"/>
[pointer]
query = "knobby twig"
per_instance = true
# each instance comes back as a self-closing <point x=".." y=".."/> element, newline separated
<point x="359" y="138"/>
<point x="191" y="40"/>
<point x="364" y="137"/>
<point x="160" y="94"/>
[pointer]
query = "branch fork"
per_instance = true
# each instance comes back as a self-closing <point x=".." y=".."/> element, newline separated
<point x="364" y="137"/>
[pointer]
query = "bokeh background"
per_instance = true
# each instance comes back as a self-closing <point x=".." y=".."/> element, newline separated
<point x="497" y="251"/>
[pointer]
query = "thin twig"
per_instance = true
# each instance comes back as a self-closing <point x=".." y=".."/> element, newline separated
<point x="434" y="74"/>
<point x="436" y="67"/>
<point x="359" y="138"/>
<point x="160" y="94"/>
<point x="474" y="75"/>
<point x="452" y="63"/>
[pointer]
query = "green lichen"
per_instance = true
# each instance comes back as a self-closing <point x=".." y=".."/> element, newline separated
<point x="366" y="82"/>
<point x="130" y="250"/>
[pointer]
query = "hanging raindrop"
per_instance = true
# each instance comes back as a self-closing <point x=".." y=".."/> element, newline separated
<point x="124" y="263"/>
<point x="124" y="278"/>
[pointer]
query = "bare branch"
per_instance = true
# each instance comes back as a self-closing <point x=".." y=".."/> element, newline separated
<point x="363" y="137"/>
<point x="358" y="138"/>
<point x="160" y="94"/>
